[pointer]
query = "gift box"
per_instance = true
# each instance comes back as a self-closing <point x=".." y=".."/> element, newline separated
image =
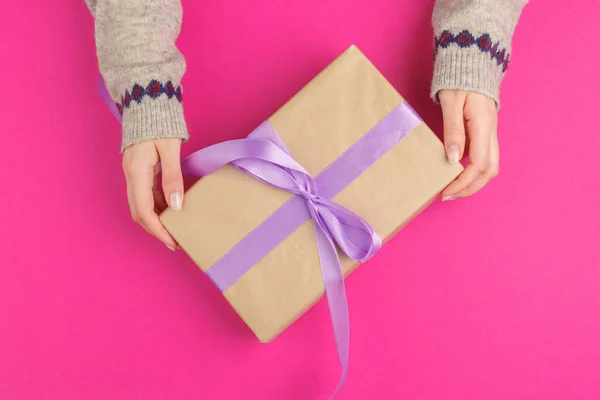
<point x="369" y="154"/>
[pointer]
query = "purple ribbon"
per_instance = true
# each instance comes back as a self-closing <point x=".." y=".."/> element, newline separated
<point x="264" y="156"/>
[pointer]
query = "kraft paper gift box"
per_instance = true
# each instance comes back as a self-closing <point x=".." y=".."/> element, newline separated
<point x="319" y="124"/>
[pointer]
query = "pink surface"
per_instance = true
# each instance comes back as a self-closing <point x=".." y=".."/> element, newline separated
<point x="494" y="297"/>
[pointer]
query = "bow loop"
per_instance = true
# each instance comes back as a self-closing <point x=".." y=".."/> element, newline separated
<point x="357" y="239"/>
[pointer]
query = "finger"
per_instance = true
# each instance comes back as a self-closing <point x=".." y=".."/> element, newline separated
<point x="150" y="222"/>
<point x="467" y="177"/>
<point x="159" y="197"/>
<point x="160" y="204"/>
<point x="130" y="202"/>
<point x="475" y="186"/>
<point x="141" y="183"/>
<point x="452" y="103"/>
<point x="478" y="130"/>
<point x="492" y="170"/>
<point x="169" y="151"/>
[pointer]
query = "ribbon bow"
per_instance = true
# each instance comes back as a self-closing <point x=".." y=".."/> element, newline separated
<point x="269" y="161"/>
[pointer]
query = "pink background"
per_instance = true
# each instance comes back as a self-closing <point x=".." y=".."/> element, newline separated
<point x="494" y="297"/>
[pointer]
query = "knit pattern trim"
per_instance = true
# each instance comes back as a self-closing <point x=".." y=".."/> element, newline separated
<point x="153" y="90"/>
<point x="484" y="43"/>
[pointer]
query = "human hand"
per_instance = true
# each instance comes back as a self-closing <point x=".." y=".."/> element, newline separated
<point x="146" y="200"/>
<point x="470" y="128"/>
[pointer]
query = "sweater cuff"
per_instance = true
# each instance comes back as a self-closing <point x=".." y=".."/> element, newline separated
<point x="153" y="118"/>
<point x="468" y="69"/>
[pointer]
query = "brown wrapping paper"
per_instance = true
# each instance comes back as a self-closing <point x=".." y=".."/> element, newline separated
<point x="317" y="125"/>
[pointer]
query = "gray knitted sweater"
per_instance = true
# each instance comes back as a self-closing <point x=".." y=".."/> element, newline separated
<point x="142" y="67"/>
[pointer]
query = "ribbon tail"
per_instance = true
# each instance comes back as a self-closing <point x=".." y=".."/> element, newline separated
<point x="335" y="291"/>
<point x="105" y="96"/>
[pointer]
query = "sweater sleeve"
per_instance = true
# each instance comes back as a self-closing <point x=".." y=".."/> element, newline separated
<point x="473" y="44"/>
<point x="142" y="67"/>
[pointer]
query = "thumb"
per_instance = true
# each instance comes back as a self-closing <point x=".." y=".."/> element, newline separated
<point x="453" y="103"/>
<point x="169" y="151"/>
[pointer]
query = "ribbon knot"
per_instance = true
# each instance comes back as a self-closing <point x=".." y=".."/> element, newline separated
<point x="308" y="193"/>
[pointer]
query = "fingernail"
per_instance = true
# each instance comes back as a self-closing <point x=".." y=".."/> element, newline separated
<point x="170" y="247"/>
<point x="453" y="154"/>
<point x="448" y="198"/>
<point x="176" y="201"/>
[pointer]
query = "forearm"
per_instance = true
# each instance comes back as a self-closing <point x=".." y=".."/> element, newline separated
<point x="473" y="44"/>
<point x="142" y="67"/>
